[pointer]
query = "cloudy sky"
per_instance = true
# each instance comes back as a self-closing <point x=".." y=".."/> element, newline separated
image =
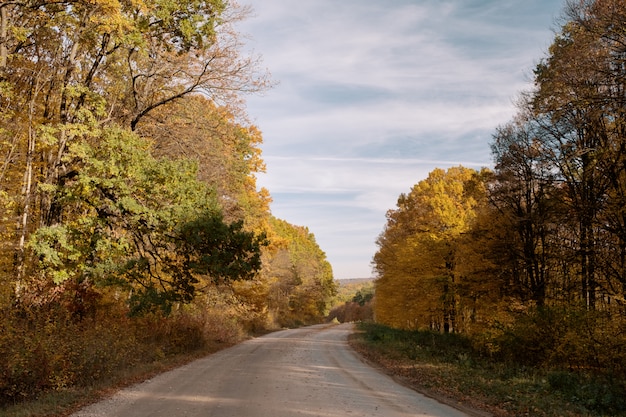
<point x="372" y="95"/>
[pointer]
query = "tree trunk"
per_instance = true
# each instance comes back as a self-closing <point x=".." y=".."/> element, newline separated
<point x="4" y="25"/>
<point x="27" y="197"/>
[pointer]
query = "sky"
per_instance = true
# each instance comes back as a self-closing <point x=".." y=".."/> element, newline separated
<point x="372" y="95"/>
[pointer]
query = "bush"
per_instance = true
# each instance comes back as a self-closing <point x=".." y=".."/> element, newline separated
<point x="351" y="312"/>
<point x="49" y="350"/>
<point x="42" y="354"/>
<point x="532" y="338"/>
<point x="415" y="343"/>
<point x="599" y="394"/>
<point x="565" y="339"/>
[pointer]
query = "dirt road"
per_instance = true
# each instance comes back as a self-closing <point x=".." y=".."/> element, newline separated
<point x="302" y="372"/>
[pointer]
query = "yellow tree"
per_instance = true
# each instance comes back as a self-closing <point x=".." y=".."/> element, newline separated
<point x="301" y="278"/>
<point x="416" y="261"/>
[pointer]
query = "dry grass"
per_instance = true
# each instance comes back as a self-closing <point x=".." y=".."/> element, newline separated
<point x="53" y="367"/>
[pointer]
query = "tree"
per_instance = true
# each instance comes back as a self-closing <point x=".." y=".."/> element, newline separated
<point x="525" y="193"/>
<point x="77" y="62"/>
<point x="416" y="262"/>
<point x="579" y="104"/>
<point x="226" y="151"/>
<point x="301" y="278"/>
<point x="228" y="157"/>
<point x="543" y="249"/>
<point x="142" y="223"/>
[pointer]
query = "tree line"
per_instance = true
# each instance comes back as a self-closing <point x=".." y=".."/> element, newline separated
<point x="529" y="259"/>
<point x="128" y="183"/>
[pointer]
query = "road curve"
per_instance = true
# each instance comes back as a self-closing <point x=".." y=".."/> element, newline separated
<point x="302" y="372"/>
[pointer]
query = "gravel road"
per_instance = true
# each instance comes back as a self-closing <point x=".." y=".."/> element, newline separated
<point x="302" y="372"/>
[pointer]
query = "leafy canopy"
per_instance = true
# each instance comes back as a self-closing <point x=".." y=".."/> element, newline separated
<point x="141" y="222"/>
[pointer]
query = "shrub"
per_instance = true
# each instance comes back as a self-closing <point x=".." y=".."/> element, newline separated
<point x="564" y="339"/>
<point x="48" y="349"/>
<point x="351" y="312"/>
<point x="599" y="394"/>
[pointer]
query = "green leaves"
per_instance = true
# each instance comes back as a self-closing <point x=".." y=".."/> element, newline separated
<point x="221" y="251"/>
<point x="187" y="24"/>
<point x="56" y="251"/>
<point x="141" y="222"/>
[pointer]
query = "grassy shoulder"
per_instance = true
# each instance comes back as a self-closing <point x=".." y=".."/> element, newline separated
<point x="445" y="366"/>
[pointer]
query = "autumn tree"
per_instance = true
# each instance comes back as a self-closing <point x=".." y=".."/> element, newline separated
<point x="525" y="193"/>
<point x="543" y="251"/>
<point x="77" y="62"/>
<point x="128" y="187"/>
<point x="301" y="278"/>
<point x="226" y="151"/>
<point x="558" y="188"/>
<point x="579" y="103"/>
<point x="228" y="156"/>
<point x="140" y="223"/>
<point x="417" y="258"/>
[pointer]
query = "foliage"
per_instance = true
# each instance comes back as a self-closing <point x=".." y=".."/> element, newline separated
<point x="578" y="111"/>
<point x="302" y="281"/>
<point x="564" y="338"/>
<point x="363" y="296"/>
<point x="528" y="261"/>
<point x="128" y="193"/>
<point x="419" y="280"/>
<point x="143" y="223"/>
<point x="290" y="289"/>
<point x="81" y="66"/>
<point x="353" y="302"/>
<point x="226" y="152"/>
<point x="351" y="312"/>
<point x="448" y="365"/>
<point x="414" y="342"/>
<point x="348" y="289"/>
<point x="47" y="351"/>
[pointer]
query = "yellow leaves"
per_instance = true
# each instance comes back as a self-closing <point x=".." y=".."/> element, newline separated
<point x="48" y="135"/>
<point x="109" y="16"/>
<point x="417" y="261"/>
<point x="441" y="203"/>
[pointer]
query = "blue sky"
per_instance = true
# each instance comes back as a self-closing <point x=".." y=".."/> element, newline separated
<point x="372" y="95"/>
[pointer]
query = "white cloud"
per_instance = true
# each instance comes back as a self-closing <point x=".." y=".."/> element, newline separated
<point x="373" y="95"/>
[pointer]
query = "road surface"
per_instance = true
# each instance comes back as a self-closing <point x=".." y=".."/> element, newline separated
<point x="302" y="372"/>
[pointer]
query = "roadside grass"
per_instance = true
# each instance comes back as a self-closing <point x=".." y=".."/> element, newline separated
<point x="63" y="402"/>
<point x="445" y="366"/>
<point x="54" y="367"/>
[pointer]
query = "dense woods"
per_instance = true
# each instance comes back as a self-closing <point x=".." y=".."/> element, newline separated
<point x="131" y="224"/>
<point x="528" y="260"/>
<point x="353" y="302"/>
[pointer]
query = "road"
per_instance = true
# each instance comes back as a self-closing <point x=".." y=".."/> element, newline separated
<point x="302" y="372"/>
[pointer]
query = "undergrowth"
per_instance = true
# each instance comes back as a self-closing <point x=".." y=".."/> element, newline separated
<point x="447" y="365"/>
<point x="50" y="362"/>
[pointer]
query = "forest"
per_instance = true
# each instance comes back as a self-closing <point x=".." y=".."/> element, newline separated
<point x="528" y="259"/>
<point x="132" y="228"/>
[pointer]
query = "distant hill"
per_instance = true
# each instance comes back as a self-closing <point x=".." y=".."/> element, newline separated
<point x="351" y="281"/>
<point x="348" y="288"/>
